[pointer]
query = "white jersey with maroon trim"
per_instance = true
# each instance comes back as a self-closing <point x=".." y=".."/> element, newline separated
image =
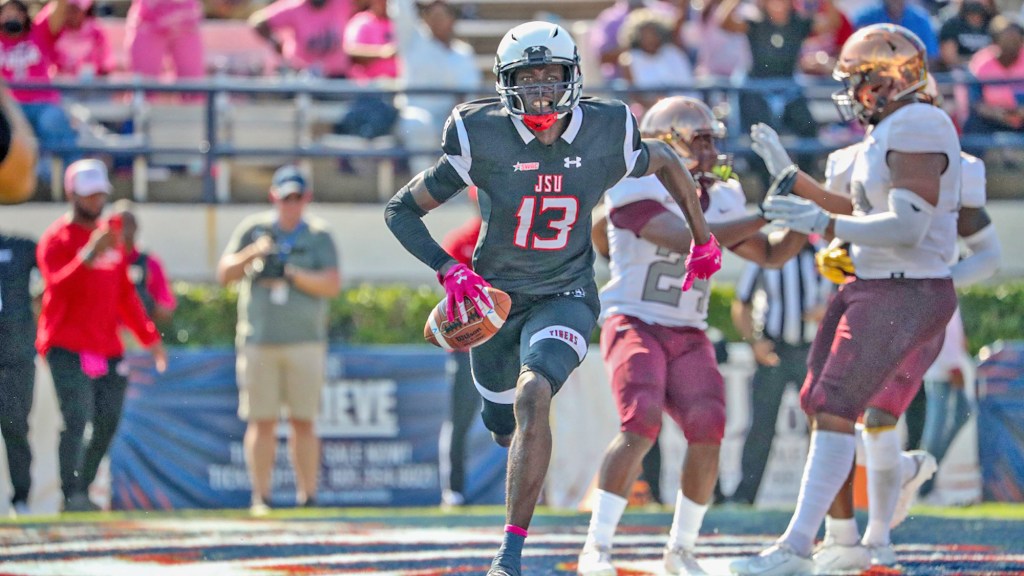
<point x="839" y="167"/>
<point x="646" y="279"/>
<point x="915" y="128"/>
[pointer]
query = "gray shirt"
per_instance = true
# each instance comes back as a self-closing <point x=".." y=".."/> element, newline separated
<point x="265" y="318"/>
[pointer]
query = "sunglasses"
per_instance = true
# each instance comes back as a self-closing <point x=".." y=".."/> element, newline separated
<point x="294" y="197"/>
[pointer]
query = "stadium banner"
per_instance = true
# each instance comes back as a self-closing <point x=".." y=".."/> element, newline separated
<point x="1001" y="421"/>
<point x="180" y="440"/>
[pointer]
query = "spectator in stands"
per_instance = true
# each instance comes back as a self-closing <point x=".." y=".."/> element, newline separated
<point x="963" y="34"/>
<point x="776" y="36"/>
<point x="909" y="15"/>
<point x="17" y="361"/>
<point x="431" y="57"/>
<point x="145" y="269"/>
<point x="88" y="295"/>
<point x="287" y="264"/>
<point x="160" y="29"/>
<point x="82" y="49"/>
<point x="27" y="55"/>
<point x="821" y="49"/>
<point x="308" y="34"/>
<point x="651" y="58"/>
<point x="720" y="54"/>
<point x="370" y="44"/>
<point x="604" y="32"/>
<point x="999" y="107"/>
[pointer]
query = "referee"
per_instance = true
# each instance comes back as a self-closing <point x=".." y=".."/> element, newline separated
<point x="776" y="311"/>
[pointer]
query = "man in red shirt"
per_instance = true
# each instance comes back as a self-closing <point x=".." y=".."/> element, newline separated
<point x="88" y="295"/>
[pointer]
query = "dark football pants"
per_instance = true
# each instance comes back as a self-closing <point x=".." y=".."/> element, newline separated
<point x="17" y="383"/>
<point x="767" y="386"/>
<point x="546" y="334"/>
<point x="465" y="402"/>
<point x="83" y="399"/>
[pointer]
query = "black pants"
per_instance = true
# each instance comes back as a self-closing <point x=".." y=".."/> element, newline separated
<point x="915" y="418"/>
<point x="83" y="399"/>
<point x="465" y="404"/>
<point x="17" y="383"/>
<point x="767" y="387"/>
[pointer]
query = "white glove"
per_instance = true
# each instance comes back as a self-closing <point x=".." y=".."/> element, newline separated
<point x="767" y="145"/>
<point x="797" y="214"/>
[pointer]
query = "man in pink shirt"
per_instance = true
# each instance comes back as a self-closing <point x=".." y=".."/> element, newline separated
<point x="999" y="107"/>
<point x="370" y="43"/>
<point x="27" y="55"/>
<point x="82" y="48"/>
<point x="308" y="34"/>
<point x="158" y="29"/>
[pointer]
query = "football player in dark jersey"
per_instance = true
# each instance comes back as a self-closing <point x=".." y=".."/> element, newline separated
<point x="541" y="157"/>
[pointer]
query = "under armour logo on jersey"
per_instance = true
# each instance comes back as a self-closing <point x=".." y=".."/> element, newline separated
<point x="525" y="166"/>
<point x="573" y="162"/>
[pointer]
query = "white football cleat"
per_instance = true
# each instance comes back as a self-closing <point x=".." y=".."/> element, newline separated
<point x="834" y="558"/>
<point x="679" y="560"/>
<point x="926" y="467"/>
<point x="883" y="555"/>
<point x="595" y="561"/>
<point x="778" y="560"/>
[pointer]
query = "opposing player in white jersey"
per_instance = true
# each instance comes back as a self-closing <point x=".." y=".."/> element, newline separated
<point x="653" y="343"/>
<point x="901" y="224"/>
<point x="841" y="549"/>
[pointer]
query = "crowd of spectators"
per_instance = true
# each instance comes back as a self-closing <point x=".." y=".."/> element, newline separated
<point x="641" y="44"/>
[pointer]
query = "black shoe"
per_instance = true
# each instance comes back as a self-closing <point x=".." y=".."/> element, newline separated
<point x="500" y="569"/>
<point x="309" y="502"/>
<point x="80" y="502"/>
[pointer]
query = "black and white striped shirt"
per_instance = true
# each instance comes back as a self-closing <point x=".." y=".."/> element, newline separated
<point x="781" y="298"/>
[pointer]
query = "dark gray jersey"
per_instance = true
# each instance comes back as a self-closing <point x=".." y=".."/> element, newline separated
<point x="536" y="200"/>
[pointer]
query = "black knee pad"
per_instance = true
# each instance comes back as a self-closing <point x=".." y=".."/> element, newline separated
<point x="499" y="418"/>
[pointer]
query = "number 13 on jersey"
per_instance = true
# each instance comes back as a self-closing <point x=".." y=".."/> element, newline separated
<point x="555" y="234"/>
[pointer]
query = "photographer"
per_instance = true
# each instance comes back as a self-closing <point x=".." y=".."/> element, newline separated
<point x="288" y="268"/>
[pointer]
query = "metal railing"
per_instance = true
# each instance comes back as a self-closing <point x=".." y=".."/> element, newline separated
<point x="215" y="94"/>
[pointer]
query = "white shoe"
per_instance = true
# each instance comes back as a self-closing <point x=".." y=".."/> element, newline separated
<point x="451" y="499"/>
<point x="778" y="560"/>
<point x="834" y="558"/>
<point x="679" y="560"/>
<point x="595" y="561"/>
<point x="883" y="555"/>
<point x="926" y="467"/>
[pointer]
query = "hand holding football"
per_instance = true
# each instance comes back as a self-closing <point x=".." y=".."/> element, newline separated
<point x="476" y="330"/>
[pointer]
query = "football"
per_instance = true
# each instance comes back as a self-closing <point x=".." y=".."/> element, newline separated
<point x="475" y="331"/>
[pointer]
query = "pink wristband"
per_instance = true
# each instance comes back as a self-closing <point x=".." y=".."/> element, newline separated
<point x="515" y="530"/>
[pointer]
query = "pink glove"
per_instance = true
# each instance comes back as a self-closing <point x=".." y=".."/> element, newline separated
<point x="702" y="261"/>
<point x="461" y="283"/>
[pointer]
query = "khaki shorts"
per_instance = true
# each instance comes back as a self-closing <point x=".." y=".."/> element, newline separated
<point x="274" y="375"/>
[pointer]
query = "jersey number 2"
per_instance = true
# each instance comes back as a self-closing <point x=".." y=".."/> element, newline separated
<point x="526" y="238"/>
<point x="675" y="270"/>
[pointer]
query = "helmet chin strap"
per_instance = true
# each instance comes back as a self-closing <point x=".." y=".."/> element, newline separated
<point x="540" y="122"/>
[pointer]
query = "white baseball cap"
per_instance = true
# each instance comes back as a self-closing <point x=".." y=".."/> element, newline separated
<point x="87" y="177"/>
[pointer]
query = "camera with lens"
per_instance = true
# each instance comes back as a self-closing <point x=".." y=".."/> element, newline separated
<point x="271" y="265"/>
